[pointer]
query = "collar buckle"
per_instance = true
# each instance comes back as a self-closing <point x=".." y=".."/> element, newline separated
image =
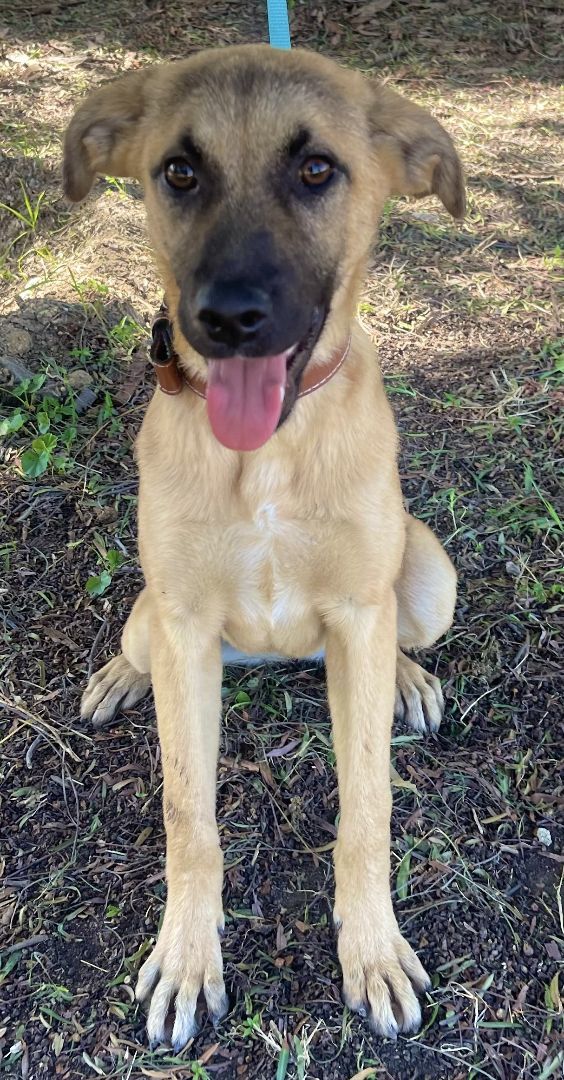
<point x="163" y="356"/>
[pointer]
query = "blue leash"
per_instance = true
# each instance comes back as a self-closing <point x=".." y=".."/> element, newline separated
<point x="278" y="25"/>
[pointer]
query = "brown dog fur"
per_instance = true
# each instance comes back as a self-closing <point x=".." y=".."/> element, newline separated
<point x="299" y="546"/>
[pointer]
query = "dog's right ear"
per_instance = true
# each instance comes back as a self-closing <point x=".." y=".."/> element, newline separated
<point x="101" y="137"/>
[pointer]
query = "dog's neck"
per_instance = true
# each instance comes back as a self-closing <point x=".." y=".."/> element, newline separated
<point x="172" y="379"/>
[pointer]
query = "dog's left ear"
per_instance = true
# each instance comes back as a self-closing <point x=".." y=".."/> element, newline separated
<point x="416" y="153"/>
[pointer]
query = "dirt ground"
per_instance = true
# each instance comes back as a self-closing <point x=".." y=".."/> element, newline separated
<point x="466" y="321"/>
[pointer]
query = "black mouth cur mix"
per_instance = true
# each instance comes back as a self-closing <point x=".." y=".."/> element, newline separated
<point x="271" y="520"/>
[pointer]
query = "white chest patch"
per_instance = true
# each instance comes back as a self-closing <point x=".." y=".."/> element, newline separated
<point x="269" y="593"/>
<point x="266" y="516"/>
<point x="270" y="530"/>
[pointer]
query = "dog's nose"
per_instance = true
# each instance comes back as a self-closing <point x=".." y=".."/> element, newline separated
<point x="232" y="313"/>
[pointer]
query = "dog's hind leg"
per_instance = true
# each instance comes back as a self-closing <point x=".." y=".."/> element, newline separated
<point x="123" y="681"/>
<point x="426" y="593"/>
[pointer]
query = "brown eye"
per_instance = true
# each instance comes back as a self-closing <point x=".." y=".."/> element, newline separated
<point x="316" y="171"/>
<point x="180" y="175"/>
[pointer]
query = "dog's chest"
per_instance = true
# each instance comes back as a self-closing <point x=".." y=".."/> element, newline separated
<point x="271" y="557"/>
<point x="275" y="555"/>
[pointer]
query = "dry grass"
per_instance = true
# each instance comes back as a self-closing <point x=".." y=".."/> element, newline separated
<point x="466" y="318"/>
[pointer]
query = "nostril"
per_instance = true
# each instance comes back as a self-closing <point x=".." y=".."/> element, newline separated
<point x="211" y="320"/>
<point x="250" y="320"/>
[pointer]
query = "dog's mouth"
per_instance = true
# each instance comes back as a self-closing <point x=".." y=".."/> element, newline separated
<point x="249" y="397"/>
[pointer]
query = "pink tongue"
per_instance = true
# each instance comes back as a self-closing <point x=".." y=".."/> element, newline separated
<point x="244" y="399"/>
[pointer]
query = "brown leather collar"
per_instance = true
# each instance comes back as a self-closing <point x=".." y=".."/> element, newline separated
<point x="171" y="379"/>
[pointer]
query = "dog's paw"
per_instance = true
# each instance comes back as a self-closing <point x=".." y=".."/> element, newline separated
<point x="116" y="685"/>
<point x="185" y="960"/>
<point x="419" y="698"/>
<point x="381" y="973"/>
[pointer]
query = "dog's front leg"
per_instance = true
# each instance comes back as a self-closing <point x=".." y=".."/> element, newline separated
<point x="380" y="970"/>
<point x="186" y="674"/>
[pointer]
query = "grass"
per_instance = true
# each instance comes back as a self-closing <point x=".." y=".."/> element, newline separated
<point x="467" y="324"/>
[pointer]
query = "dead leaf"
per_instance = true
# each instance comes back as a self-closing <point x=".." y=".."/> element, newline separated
<point x="266" y="773"/>
<point x="554" y="992"/>
<point x="208" y="1054"/>
<point x="285" y="748"/>
<point x="398" y="782"/>
<point x="59" y="637"/>
<point x="121" y="784"/>
<point x="544" y="797"/>
<point x="372" y="7"/>
<point x="553" y="951"/>
<point x="16" y="56"/>
<point x="232" y="763"/>
<point x="281" y="939"/>
<point x="143" y="835"/>
<point x="24" y="1066"/>
<point x="136" y="377"/>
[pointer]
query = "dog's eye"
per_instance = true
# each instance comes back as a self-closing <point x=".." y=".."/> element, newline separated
<point x="316" y="171"/>
<point x="180" y="175"/>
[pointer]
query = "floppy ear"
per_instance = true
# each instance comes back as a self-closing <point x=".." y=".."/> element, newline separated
<point x="417" y="154"/>
<point x="101" y="137"/>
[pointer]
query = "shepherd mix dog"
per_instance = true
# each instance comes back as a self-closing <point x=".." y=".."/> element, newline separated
<point x="271" y="520"/>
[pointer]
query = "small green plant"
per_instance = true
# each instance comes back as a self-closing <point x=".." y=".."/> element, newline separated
<point x="553" y="356"/>
<point x="90" y="285"/>
<point x="116" y="183"/>
<point x="12" y="423"/>
<point x="29" y="216"/>
<point x="198" y="1071"/>
<point x="252" y="1022"/>
<point x="97" y="584"/>
<point x="48" y="421"/>
<point x="90" y="294"/>
<point x="8" y="966"/>
<point x="53" y="992"/>
<point x="250" y="1025"/>
<point x="111" y="560"/>
<point x="452" y="401"/>
<point x="126" y="334"/>
<point x="81" y="355"/>
<point x="396" y="384"/>
<point x="554" y="260"/>
<point x="107" y="410"/>
<point x="36" y="460"/>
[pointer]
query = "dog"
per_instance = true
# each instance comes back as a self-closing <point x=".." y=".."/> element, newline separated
<point x="271" y="520"/>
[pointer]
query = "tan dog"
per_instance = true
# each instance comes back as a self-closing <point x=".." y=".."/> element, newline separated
<point x="267" y="520"/>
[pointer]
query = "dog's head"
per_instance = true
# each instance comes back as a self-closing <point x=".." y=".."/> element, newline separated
<point x="265" y="173"/>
